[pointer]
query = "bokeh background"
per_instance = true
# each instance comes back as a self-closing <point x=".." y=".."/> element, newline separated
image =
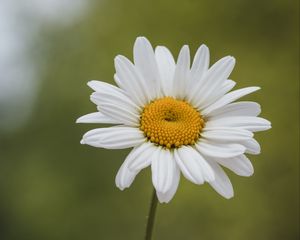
<point x="54" y="188"/>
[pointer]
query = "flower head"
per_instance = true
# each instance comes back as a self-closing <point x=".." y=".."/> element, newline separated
<point x="178" y="119"/>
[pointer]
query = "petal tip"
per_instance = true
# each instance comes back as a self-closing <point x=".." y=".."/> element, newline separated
<point x="185" y="50"/>
<point x="162" y="198"/>
<point x="78" y="120"/>
<point x="141" y="39"/>
<point x="232" y="60"/>
<point x="117" y="58"/>
<point x="92" y="83"/>
<point x="185" y="46"/>
<point x="204" y="46"/>
<point x="120" y="187"/>
<point x="229" y="196"/>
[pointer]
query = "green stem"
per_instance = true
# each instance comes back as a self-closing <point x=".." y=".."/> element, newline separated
<point x="151" y="216"/>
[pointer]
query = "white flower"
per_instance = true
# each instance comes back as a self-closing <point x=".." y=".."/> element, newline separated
<point x="177" y="118"/>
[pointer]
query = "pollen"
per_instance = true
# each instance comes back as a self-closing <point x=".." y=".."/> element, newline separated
<point x="171" y="123"/>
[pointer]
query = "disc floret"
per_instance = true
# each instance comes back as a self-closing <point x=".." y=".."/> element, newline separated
<point x="171" y="123"/>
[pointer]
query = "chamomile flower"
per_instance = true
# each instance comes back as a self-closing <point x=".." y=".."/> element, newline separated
<point x="179" y="119"/>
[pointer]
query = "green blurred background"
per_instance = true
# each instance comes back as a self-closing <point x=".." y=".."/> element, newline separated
<point x="54" y="188"/>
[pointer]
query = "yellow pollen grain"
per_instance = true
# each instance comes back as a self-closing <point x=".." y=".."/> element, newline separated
<point x="171" y="123"/>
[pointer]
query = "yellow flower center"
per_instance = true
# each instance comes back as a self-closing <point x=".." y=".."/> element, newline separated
<point x="171" y="123"/>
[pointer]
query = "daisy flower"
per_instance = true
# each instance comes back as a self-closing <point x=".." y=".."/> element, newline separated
<point x="179" y="119"/>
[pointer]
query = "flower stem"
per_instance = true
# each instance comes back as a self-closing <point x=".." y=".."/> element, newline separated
<point x="151" y="216"/>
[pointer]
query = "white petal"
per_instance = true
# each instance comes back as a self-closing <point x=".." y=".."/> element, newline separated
<point x="218" y="93"/>
<point x="167" y="196"/>
<point x="228" y="85"/>
<point x="226" y="134"/>
<point x="211" y="81"/>
<point x="116" y="98"/>
<point x="124" y="177"/>
<point x="252" y="146"/>
<point x="237" y="109"/>
<point x="166" y="67"/>
<point x="228" y="98"/>
<point x="141" y="156"/>
<point x="163" y="169"/>
<point x="200" y="63"/>
<point x="198" y="69"/>
<point x="240" y="165"/>
<point x="99" y="86"/>
<point x="96" y="117"/>
<point x="114" y="103"/>
<point x="253" y="124"/>
<point x="117" y="137"/>
<point x="131" y="80"/>
<point x="145" y="63"/>
<point x="182" y="71"/>
<point x="126" y="174"/>
<point x="120" y="114"/>
<point x="221" y="183"/>
<point x="212" y="149"/>
<point x="193" y="166"/>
